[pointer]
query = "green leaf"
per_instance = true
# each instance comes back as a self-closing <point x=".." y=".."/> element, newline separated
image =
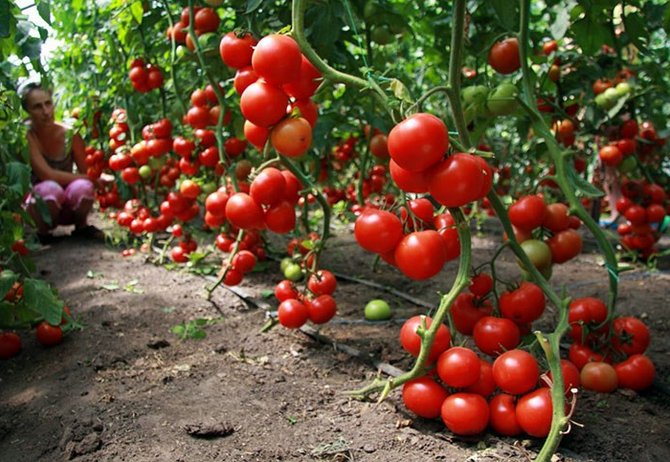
<point x="44" y="9"/>
<point x="40" y="298"/>
<point x="507" y="12"/>
<point x="267" y="293"/>
<point x="6" y="314"/>
<point x="7" y="280"/>
<point x="198" y="334"/>
<point x="560" y="24"/>
<point x="253" y="5"/>
<point x="19" y="177"/>
<point x="178" y="330"/>
<point x="112" y="285"/>
<point x="636" y="30"/>
<point x="5" y="18"/>
<point x="137" y="10"/>
<point x="591" y="35"/>
<point x="581" y="185"/>
<point x="400" y="91"/>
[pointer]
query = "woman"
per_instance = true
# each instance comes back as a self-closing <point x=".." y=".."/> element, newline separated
<point x="54" y="150"/>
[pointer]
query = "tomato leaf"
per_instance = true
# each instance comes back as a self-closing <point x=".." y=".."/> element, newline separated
<point x="253" y="5"/>
<point x="18" y="175"/>
<point x="560" y="24"/>
<point x="507" y="12"/>
<point x="44" y="10"/>
<point x="7" y="280"/>
<point x="591" y="35"/>
<point x="40" y="298"/>
<point x="5" y="18"/>
<point x="137" y="10"/>
<point x="636" y="30"/>
<point x="581" y="185"/>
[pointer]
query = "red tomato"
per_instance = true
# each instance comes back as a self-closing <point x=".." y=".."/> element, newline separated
<point x="549" y="47"/>
<point x="379" y="146"/>
<point x="243" y="78"/>
<point x="599" y="376"/>
<point x="236" y="50"/>
<point x="268" y="187"/>
<point x="277" y="59"/>
<point x="610" y="155"/>
<point x="378" y="230"/>
<point x="244" y="261"/>
<point x="523" y="305"/>
<point x="494" y="335"/>
<point x="292" y="137"/>
<point x="637" y="372"/>
<point x="256" y="135"/>
<point x="280" y="218"/>
<point x="206" y="20"/>
<point x="323" y="282"/>
<point x="565" y="245"/>
<point x="424" y="397"/>
<point x="570" y="376"/>
<point x="420" y="214"/>
<point x="48" y="335"/>
<point x="285" y="290"/>
<point x="292" y="313"/>
<point x="534" y="412"/>
<point x="465" y="314"/>
<point x="418" y="142"/>
<point x="557" y="217"/>
<point x="586" y="311"/>
<point x="503" y="420"/>
<point x="446" y="226"/>
<point x="528" y="212"/>
<point x="458" y="367"/>
<point x="10" y="345"/>
<point x="516" y="372"/>
<point x="458" y="180"/>
<point x="485" y="385"/>
<point x="263" y="104"/>
<point x="631" y="335"/>
<point x="322" y="309"/>
<point x="580" y="355"/>
<point x="421" y="254"/>
<point x="465" y="413"/>
<point x="504" y="56"/>
<point x="411" y="341"/>
<point x="414" y="182"/>
<point x="481" y="284"/>
<point x="244" y="212"/>
<point x="309" y="79"/>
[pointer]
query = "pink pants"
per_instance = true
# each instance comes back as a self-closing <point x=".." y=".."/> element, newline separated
<point x="69" y="200"/>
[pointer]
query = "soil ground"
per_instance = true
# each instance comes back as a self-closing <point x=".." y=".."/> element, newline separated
<point x="127" y="389"/>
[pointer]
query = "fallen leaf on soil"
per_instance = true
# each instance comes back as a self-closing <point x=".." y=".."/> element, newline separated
<point x="209" y="430"/>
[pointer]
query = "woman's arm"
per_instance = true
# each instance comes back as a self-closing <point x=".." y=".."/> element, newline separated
<point x="43" y="170"/>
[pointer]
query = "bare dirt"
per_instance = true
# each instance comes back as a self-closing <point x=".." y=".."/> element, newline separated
<point x="127" y="389"/>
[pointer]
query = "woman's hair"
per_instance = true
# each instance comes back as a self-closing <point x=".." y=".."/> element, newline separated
<point x="25" y="89"/>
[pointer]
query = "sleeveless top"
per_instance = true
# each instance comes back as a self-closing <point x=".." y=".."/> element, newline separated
<point x="65" y="162"/>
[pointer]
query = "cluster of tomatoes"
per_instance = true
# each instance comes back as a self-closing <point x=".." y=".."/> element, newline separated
<point x="315" y="302"/>
<point x="275" y="82"/>
<point x="430" y="242"/>
<point x="206" y="20"/>
<point x="145" y="77"/>
<point x="609" y="355"/>
<point x="644" y="205"/>
<point x="531" y="216"/>
<point x="470" y="393"/>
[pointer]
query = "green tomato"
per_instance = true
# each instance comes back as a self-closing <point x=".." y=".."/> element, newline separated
<point x="293" y="272"/>
<point x="145" y="172"/>
<point x="156" y="162"/>
<point x="284" y="263"/>
<point x="538" y="253"/>
<point x="622" y="88"/>
<point x="381" y="35"/>
<point x="545" y="272"/>
<point x="502" y="100"/>
<point x="475" y="94"/>
<point x="377" y="310"/>
<point x="627" y="165"/>
<point x="209" y="187"/>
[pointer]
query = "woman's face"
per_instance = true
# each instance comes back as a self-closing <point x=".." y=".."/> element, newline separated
<point x="40" y="107"/>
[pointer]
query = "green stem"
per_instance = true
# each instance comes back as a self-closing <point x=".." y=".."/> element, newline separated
<point x="173" y="55"/>
<point x="455" y="62"/>
<point x="328" y="72"/>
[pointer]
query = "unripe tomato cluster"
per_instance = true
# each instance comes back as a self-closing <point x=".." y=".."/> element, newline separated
<point x="145" y="77"/>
